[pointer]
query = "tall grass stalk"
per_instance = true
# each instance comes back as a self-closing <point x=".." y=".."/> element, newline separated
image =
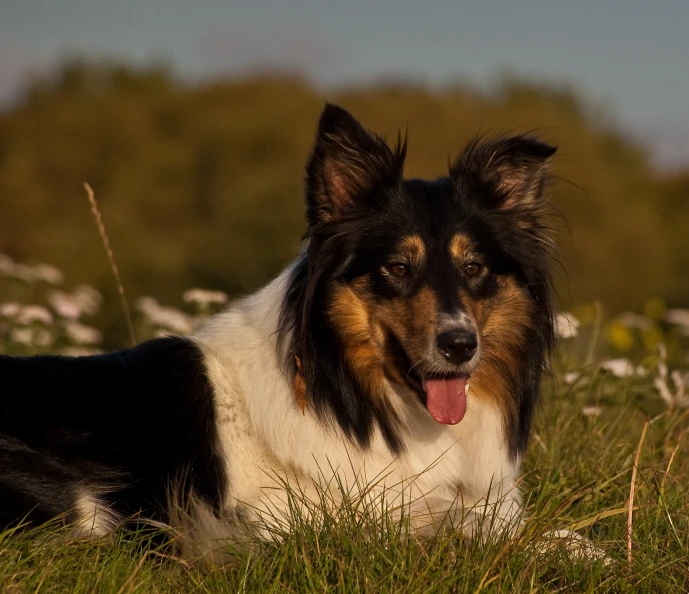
<point x="111" y="259"/>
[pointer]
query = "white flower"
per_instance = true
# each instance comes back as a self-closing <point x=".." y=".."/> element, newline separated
<point x="662" y="360"/>
<point x="32" y="336"/>
<point x="571" y="377"/>
<point x="679" y="317"/>
<point x="9" y="309"/>
<point x="84" y="300"/>
<point x="146" y="304"/>
<point x="623" y="368"/>
<point x="30" y="274"/>
<point x="661" y="387"/>
<point x="164" y="317"/>
<point x="203" y="297"/>
<point x="87" y="299"/>
<point x="635" y="320"/>
<point x="64" y="305"/>
<point x="42" y="337"/>
<point x="22" y="335"/>
<point x="671" y="397"/>
<point x="21" y="272"/>
<point x="34" y="313"/>
<point x="680" y="378"/>
<point x="6" y="265"/>
<point x="566" y="325"/>
<point x="48" y="274"/>
<point x="82" y="334"/>
<point x="591" y="411"/>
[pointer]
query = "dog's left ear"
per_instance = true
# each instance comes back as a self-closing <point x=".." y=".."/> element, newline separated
<point x="348" y="167"/>
<point x="511" y="172"/>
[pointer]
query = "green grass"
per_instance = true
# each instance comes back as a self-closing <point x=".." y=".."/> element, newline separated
<point x="577" y="473"/>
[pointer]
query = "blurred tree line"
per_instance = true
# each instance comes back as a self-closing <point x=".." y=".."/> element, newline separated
<point x="202" y="185"/>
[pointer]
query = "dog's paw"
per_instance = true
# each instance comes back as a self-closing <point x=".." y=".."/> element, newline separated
<point x="578" y="547"/>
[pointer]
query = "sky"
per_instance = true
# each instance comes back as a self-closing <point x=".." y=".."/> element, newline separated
<point x="631" y="57"/>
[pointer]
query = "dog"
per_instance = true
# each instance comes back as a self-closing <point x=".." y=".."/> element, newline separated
<point x="404" y="348"/>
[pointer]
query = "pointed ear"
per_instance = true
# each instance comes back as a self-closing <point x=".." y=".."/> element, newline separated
<point x="514" y="170"/>
<point x="347" y="164"/>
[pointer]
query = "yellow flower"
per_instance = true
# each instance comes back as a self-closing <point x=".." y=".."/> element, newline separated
<point x="655" y="308"/>
<point x="585" y="313"/>
<point x="652" y="337"/>
<point x="620" y="337"/>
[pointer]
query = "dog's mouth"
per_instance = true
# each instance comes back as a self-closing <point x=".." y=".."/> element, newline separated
<point x="444" y="396"/>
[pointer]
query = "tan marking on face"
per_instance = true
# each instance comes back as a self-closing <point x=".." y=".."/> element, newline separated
<point x="363" y="325"/>
<point x="351" y="318"/>
<point x="408" y="318"/>
<point x="350" y="313"/>
<point x="413" y="321"/>
<point x="413" y="248"/>
<point x="460" y="246"/>
<point x="503" y="321"/>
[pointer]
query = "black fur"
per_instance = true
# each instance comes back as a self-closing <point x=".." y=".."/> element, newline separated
<point x="132" y="423"/>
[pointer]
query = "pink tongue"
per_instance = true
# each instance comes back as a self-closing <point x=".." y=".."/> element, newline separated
<point x="446" y="399"/>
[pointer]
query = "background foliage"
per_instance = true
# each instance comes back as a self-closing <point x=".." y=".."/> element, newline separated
<point x="202" y="186"/>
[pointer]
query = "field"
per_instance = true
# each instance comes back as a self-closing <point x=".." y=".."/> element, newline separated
<point x="613" y="424"/>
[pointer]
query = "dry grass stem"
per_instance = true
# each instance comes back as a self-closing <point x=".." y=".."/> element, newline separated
<point x="111" y="259"/>
<point x="631" y="494"/>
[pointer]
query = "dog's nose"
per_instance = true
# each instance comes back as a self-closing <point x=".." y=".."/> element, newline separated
<point x="457" y="346"/>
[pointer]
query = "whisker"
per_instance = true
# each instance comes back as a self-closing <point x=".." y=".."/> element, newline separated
<point x="412" y="367"/>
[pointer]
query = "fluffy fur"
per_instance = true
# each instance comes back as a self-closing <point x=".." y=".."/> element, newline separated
<point x="415" y="326"/>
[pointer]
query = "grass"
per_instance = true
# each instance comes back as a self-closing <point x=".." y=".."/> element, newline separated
<point x="578" y="473"/>
<point x="608" y="458"/>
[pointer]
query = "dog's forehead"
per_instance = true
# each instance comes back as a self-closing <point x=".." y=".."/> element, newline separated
<point x="430" y="210"/>
<point x="422" y="190"/>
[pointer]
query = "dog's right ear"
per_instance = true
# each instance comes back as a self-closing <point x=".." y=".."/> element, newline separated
<point x="347" y="167"/>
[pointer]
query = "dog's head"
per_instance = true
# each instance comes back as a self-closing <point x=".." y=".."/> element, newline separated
<point x="420" y="285"/>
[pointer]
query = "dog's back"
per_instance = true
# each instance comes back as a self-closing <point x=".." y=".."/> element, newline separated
<point x="115" y="428"/>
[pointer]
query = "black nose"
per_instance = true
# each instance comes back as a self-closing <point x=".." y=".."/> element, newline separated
<point x="457" y="346"/>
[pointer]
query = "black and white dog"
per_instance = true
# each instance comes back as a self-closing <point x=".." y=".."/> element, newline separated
<point x="403" y="348"/>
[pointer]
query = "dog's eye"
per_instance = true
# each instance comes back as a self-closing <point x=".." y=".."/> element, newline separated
<point x="398" y="269"/>
<point x="473" y="268"/>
